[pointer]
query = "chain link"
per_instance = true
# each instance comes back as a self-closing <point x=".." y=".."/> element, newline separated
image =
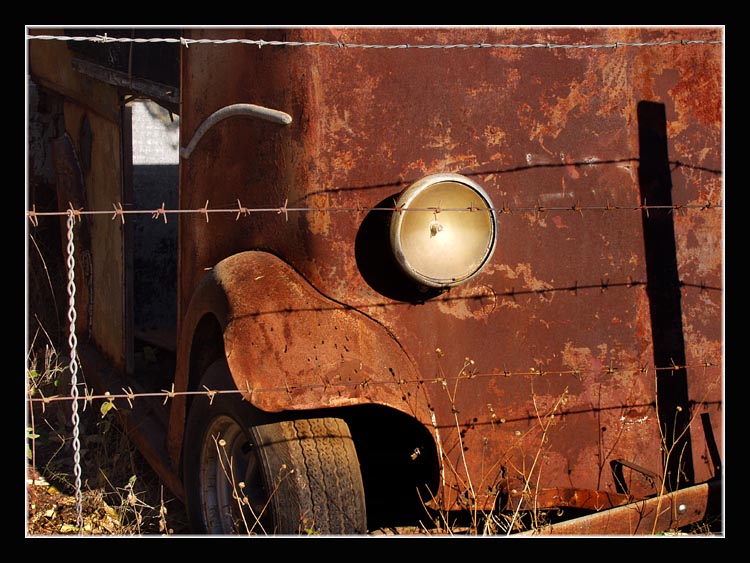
<point x="73" y="343"/>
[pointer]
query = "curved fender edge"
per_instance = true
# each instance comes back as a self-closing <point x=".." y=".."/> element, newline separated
<point x="289" y="347"/>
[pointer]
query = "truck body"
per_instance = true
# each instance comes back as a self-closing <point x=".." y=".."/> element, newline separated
<point x="495" y="254"/>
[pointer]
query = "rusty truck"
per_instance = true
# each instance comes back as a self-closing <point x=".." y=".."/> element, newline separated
<point x="449" y="275"/>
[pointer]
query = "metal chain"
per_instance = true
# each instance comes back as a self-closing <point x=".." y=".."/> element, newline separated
<point x="73" y="342"/>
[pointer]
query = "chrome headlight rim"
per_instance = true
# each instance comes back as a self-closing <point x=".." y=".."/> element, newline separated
<point x="404" y="202"/>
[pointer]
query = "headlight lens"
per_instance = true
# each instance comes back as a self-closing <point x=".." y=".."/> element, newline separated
<point x="444" y="230"/>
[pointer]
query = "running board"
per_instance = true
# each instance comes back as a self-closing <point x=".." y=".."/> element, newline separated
<point x="646" y="517"/>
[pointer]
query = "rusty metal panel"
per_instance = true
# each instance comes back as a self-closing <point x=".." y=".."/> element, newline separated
<point x="356" y="359"/>
<point x="547" y="366"/>
<point x="653" y="516"/>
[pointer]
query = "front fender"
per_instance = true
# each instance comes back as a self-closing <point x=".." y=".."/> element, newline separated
<point x="290" y="347"/>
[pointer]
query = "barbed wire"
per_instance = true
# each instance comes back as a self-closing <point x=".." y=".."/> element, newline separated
<point x="343" y="45"/>
<point x="240" y="210"/>
<point x="611" y="370"/>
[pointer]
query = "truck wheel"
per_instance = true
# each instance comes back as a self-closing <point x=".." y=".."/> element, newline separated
<point x="243" y="476"/>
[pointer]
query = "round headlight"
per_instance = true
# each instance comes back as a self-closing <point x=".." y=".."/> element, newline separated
<point x="443" y="232"/>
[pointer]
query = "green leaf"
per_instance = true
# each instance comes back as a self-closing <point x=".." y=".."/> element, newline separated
<point x="106" y="407"/>
<point x="33" y="373"/>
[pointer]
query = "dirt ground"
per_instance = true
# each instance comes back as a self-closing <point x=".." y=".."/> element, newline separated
<point x="51" y="512"/>
<point x="108" y="511"/>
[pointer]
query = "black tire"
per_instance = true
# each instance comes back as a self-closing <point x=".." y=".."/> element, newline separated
<point x="244" y="475"/>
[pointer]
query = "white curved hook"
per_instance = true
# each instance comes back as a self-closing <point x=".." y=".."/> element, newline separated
<point x="247" y="110"/>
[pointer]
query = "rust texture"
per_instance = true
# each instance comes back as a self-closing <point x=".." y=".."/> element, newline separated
<point x="542" y="368"/>
<point x="648" y="517"/>
<point x="355" y="358"/>
<point x="566" y="498"/>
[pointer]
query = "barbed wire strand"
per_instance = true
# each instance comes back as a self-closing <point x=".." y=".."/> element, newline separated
<point x="342" y="45"/>
<point x="162" y="212"/>
<point x="577" y="372"/>
<point x="72" y="342"/>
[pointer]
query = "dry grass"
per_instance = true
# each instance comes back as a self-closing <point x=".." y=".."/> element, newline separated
<point x="120" y="493"/>
<point x="122" y="496"/>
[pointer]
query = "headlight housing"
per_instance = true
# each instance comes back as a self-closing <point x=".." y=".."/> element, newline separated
<point x="444" y="230"/>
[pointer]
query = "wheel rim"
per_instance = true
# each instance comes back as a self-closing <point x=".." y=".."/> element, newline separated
<point x="233" y="498"/>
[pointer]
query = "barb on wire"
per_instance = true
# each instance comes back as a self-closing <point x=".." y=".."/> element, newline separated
<point x="674" y="366"/>
<point x="33" y="217"/>
<point x="118" y="211"/>
<point x="88" y="398"/>
<point x="129" y="395"/>
<point x="240" y="210"/>
<point x="76" y="213"/>
<point x="169" y="394"/>
<point x="160" y="211"/>
<point x="210" y="394"/>
<point x="250" y="390"/>
<point x="44" y="400"/>
<point x="283" y="209"/>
